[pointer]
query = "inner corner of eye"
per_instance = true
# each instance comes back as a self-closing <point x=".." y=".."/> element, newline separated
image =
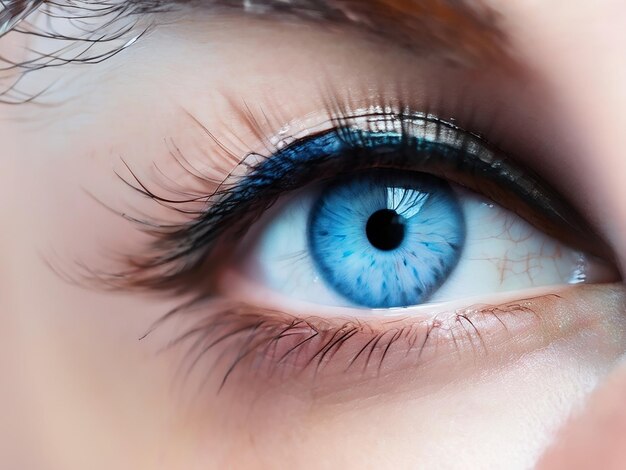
<point x="386" y="238"/>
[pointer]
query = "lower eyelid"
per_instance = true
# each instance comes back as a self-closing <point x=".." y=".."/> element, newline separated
<point x="240" y="342"/>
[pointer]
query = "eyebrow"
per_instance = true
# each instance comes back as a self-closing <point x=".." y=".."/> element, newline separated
<point x="460" y="32"/>
<point x="465" y="32"/>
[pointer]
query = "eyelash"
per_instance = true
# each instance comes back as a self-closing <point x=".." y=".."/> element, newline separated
<point x="247" y="333"/>
<point x="256" y="339"/>
<point x="180" y="251"/>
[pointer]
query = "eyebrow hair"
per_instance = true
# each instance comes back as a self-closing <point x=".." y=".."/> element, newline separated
<point x="460" y="31"/>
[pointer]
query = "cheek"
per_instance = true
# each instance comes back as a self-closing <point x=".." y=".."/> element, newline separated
<point x="503" y="417"/>
<point x="82" y="374"/>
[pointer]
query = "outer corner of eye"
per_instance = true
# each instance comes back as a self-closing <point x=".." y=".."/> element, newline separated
<point x="380" y="240"/>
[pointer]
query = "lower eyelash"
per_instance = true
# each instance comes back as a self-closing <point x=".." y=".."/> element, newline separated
<point x="271" y="345"/>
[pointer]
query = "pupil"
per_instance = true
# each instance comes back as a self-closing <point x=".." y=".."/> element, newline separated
<point x="385" y="229"/>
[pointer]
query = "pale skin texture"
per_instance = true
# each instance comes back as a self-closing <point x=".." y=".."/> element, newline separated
<point x="85" y="393"/>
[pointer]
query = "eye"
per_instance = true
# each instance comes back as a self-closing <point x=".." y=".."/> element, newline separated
<point x="385" y="237"/>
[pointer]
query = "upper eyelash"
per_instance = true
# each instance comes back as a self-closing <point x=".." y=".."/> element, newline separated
<point x="180" y="249"/>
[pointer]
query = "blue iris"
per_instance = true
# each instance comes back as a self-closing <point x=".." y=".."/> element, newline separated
<point x="386" y="238"/>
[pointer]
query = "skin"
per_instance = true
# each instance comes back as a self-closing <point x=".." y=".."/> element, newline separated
<point x="85" y="393"/>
